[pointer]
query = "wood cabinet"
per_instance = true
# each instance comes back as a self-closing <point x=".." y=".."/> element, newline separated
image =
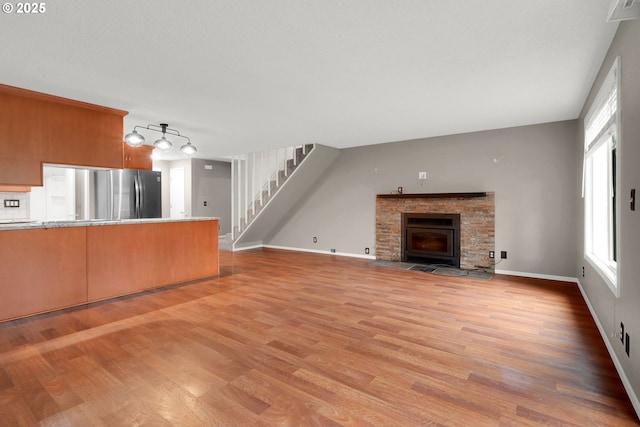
<point x="37" y="128"/>
<point x="47" y="269"/>
<point x="138" y="157"/>
<point x="42" y="270"/>
<point x="15" y="188"/>
<point x="129" y="258"/>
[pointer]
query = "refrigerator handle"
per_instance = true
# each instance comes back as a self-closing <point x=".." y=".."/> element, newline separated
<point x="136" y="185"/>
<point x="110" y="196"/>
<point x="141" y="198"/>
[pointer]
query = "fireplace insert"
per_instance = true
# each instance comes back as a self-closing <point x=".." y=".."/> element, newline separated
<point x="431" y="238"/>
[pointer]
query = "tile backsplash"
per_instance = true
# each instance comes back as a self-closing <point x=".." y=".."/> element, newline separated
<point x="14" y="213"/>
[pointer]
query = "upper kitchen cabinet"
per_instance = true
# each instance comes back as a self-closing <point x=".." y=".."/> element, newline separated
<point x="138" y="157"/>
<point x="15" y="188"/>
<point x="37" y="128"/>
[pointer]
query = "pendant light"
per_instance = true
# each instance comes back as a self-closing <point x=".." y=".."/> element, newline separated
<point x="136" y="139"/>
<point x="188" y="148"/>
<point x="163" y="144"/>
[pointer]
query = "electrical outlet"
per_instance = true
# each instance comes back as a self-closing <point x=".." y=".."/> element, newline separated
<point x="583" y="271"/>
<point x="503" y="254"/>
<point x="11" y="203"/>
<point x="315" y="240"/>
<point x="492" y="254"/>
<point x="333" y="251"/>
<point x="366" y="251"/>
<point x="423" y="175"/>
<point x="624" y="338"/>
<point x="626" y="344"/>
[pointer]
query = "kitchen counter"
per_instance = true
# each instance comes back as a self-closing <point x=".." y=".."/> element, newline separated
<point x="58" y="264"/>
<point x="26" y="224"/>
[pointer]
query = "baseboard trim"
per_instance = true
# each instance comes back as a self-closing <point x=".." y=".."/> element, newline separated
<point x="373" y="257"/>
<point x="315" y="251"/>
<point x="538" y="276"/>
<point x="614" y="357"/>
<point x="246" y="248"/>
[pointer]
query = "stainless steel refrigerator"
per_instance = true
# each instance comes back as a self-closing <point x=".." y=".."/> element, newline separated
<point x="127" y="194"/>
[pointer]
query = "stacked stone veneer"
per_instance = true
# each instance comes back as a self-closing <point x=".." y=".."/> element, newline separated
<point x="477" y="225"/>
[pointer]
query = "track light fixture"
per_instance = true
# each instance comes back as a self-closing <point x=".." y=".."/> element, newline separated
<point x="135" y="139"/>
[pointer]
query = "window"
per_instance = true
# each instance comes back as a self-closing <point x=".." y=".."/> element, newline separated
<point x="601" y="145"/>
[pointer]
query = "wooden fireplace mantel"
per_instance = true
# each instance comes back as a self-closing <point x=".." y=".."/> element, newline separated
<point x="431" y="195"/>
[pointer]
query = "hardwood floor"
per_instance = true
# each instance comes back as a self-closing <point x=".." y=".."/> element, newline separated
<point x="293" y="339"/>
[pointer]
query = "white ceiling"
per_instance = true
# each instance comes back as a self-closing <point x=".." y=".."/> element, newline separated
<point x="241" y="75"/>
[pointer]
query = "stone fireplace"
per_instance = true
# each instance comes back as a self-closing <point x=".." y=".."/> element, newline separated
<point x="439" y="214"/>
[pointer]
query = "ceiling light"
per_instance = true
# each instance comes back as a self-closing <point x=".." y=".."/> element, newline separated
<point x="163" y="144"/>
<point x="135" y="139"/>
<point x="188" y="148"/>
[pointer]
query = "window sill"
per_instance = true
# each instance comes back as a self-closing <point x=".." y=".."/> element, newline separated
<point x="605" y="273"/>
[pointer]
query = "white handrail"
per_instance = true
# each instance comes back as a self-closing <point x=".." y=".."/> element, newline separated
<point x="252" y="176"/>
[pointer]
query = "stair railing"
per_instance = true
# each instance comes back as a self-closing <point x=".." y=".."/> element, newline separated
<point x="254" y="179"/>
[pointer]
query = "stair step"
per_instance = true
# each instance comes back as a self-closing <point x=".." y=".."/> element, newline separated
<point x="265" y="195"/>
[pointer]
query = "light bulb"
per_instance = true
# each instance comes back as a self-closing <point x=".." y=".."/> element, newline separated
<point x="163" y="144"/>
<point x="188" y="149"/>
<point x="134" y="139"/>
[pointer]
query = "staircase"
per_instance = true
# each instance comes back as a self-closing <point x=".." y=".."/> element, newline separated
<point x="266" y="185"/>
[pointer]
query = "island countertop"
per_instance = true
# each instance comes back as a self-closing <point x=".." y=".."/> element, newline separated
<point x="26" y="224"/>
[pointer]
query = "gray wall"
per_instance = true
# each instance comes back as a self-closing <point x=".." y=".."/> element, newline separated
<point x="531" y="169"/>
<point x="212" y="186"/>
<point x="609" y="310"/>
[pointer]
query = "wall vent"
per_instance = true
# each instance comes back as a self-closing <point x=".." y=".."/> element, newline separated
<point x="622" y="10"/>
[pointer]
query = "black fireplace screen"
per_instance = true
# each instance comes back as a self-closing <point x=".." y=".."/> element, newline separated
<point x="430" y="241"/>
<point x="431" y="238"/>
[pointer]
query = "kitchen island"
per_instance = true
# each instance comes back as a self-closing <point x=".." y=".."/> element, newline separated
<point x="47" y="266"/>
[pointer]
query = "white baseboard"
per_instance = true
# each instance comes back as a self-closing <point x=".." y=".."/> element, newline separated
<point x="246" y="248"/>
<point x="315" y="251"/>
<point x="537" y="276"/>
<point x="607" y="342"/>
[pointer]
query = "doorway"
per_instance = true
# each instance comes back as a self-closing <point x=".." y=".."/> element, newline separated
<point x="176" y="193"/>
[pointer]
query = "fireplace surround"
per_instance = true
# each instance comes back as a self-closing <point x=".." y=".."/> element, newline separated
<point x="477" y="223"/>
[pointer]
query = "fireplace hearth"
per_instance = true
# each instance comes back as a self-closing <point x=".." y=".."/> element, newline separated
<point x="431" y="238"/>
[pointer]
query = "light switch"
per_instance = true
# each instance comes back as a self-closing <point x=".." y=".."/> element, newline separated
<point x="632" y="201"/>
